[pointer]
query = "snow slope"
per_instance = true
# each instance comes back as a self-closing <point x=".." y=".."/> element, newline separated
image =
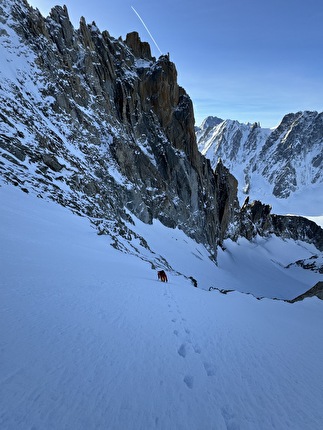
<point x="91" y="340"/>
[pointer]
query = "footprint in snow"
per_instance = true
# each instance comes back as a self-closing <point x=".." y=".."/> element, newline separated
<point x="197" y="349"/>
<point x="210" y="369"/>
<point x="182" y="351"/>
<point x="188" y="379"/>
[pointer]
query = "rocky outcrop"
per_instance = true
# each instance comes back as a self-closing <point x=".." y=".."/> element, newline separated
<point x="256" y="218"/>
<point x="316" y="291"/>
<point x="298" y="228"/>
<point x="228" y="205"/>
<point x="140" y="49"/>
<point x="313" y="263"/>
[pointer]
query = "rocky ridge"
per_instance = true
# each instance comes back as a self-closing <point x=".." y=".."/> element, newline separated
<point x="102" y="127"/>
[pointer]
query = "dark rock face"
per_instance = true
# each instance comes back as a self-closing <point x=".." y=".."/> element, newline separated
<point x="256" y="218"/>
<point x="298" y="228"/>
<point x="105" y="129"/>
<point x="317" y="291"/>
<point x="314" y="263"/>
<point x="140" y="49"/>
<point x="228" y="205"/>
<point x="52" y="163"/>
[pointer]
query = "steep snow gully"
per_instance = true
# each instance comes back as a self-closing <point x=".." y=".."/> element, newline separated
<point x="90" y="339"/>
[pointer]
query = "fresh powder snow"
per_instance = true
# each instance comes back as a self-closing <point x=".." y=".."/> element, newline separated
<point x="90" y="339"/>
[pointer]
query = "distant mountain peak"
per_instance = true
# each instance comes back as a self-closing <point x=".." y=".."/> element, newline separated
<point x="288" y="158"/>
<point x="210" y="121"/>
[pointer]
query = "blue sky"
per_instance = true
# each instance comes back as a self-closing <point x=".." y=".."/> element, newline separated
<point x="252" y="60"/>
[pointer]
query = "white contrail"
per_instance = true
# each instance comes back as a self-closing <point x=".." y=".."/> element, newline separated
<point x="142" y="21"/>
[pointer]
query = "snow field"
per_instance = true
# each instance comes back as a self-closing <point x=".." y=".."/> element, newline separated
<point x="257" y="267"/>
<point x="91" y="340"/>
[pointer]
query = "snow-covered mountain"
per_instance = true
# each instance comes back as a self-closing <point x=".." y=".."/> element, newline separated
<point x="101" y="185"/>
<point x="281" y="166"/>
<point x="100" y="126"/>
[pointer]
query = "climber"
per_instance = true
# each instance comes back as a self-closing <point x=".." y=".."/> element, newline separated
<point x="162" y="276"/>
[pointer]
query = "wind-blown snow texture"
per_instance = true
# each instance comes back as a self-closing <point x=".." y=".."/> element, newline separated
<point x="91" y="340"/>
